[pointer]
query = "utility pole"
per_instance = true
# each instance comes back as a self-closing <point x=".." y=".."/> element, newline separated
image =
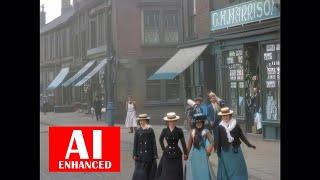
<point x="108" y="66"/>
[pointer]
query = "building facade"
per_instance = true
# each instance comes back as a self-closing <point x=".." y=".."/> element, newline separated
<point x="144" y="34"/>
<point x="243" y="52"/>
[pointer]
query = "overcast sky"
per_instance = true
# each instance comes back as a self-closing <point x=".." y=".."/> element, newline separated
<point x="52" y="9"/>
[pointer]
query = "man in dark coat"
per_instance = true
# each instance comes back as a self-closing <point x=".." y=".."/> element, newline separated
<point x="97" y="105"/>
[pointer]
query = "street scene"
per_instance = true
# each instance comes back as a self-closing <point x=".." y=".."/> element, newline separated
<point x="209" y="67"/>
<point x="263" y="163"/>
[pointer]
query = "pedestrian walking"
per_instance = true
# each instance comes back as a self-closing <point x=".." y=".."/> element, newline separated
<point x="200" y="146"/>
<point x="231" y="163"/>
<point x="144" y="150"/>
<point x="97" y="105"/>
<point x="131" y="114"/>
<point x="170" y="166"/>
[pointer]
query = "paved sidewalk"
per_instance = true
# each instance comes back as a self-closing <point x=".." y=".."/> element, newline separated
<point x="262" y="163"/>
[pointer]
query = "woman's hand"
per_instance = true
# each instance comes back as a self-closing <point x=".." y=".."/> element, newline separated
<point x="185" y="157"/>
<point x="135" y="158"/>
<point x="252" y="146"/>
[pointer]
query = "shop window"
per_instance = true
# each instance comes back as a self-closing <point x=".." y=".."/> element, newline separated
<point x="233" y="59"/>
<point x="153" y="86"/>
<point x="172" y="88"/>
<point x="195" y="79"/>
<point x="151" y="22"/>
<point x="171" y="32"/>
<point x="271" y="82"/>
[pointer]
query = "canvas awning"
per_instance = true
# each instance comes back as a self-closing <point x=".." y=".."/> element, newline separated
<point x="92" y="73"/>
<point x="59" y="78"/>
<point x="178" y="63"/>
<point x="77" y="76"/>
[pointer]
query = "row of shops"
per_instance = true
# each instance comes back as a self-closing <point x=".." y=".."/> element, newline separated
<point x="240" y="54"/>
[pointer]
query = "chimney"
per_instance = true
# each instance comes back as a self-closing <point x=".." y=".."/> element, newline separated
<point x="65" y="6"/>
<point x="42" y="16"/>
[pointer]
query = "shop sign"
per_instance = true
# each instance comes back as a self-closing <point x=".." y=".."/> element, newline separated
<point x="243" y="13"/>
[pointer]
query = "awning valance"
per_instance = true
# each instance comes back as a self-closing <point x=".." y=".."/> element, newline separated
<point x="92" y="73"/>
<point x="178" y="63"/>
<point x="59" y="78"/>
<point x="81" y="72"/>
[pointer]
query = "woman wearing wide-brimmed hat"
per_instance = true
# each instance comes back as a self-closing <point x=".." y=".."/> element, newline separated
<point x="231" y="164"/>
<point x="144" y="150"/>
<point x="170" y="166"/>
<point x="200" y="146"/>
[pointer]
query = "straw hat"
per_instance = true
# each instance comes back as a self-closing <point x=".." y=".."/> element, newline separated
<point x="225" y="111"/>
<point x="171" y="116"/>
<point x="143" y="116"/>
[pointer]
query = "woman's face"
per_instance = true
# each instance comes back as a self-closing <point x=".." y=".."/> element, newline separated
<point x="143" y="122"/>
<point x="172" y="123"/>
<point x="199" y="124"/>
<point x="226" y="118"/>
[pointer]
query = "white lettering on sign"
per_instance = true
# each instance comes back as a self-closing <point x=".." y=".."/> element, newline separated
<point x="267" y="56"/>
<point x="251" y="11"/>
<point x="81" y="149"/>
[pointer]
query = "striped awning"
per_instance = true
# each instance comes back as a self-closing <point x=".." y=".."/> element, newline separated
<point x="59" y="78"/>
<point x="77" y="76"/>
<point x="178" y="63"/>
<point x="92" y="73"/>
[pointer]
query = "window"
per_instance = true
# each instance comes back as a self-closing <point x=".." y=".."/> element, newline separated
<point x="151" y="27"/>
<point x="153" y="86"/>
<point x="51" y="47"/>
<point x="195" y="79"/>
<point x="172" y="88"/>
<point x="271" y="81"/>
<point x="93" y="27"/>
<point x="191" y="17"/>
<point x="45" y="48"/>
<point x="70" y="50"/>
<point x="56" y="43"/>
<point x="76" y="46"/>
<point x="83" y="43"/>
<point x="171" y="32"/>
<point x="233" y="59"/>
<point x="64" y="43"/>
<point x="101" y="38"/>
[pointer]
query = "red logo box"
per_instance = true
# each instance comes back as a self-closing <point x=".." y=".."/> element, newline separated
<point x="84" y="149"/>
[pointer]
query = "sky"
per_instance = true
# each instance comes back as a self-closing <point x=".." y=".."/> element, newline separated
<point x="52" y="9"/>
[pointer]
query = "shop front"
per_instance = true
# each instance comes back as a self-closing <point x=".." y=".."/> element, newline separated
<point x="247" y="60"/>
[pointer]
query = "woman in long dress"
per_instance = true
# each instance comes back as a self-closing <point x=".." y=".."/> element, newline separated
<point x="200" y="146"/>
<point x="231" y="164"/>
<point x="170" y="166"/>
<point x="131" y="114"/>
<point x="144" y="150"/>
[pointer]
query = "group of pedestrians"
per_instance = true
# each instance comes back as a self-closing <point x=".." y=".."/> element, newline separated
<point x="212" y="129"/>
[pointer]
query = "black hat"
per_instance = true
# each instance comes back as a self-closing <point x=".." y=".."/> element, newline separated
<point x="199" y="117"/>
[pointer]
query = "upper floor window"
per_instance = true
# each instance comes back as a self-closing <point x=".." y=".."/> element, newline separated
<point x="93" y="32"/>
<point x="151" y="23"/>
<point x="171" y="31"/>
<point x="192" y="11"/>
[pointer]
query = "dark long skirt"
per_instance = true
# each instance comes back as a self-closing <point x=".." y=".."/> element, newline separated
<point x="144" y="170"/>
<point x="170" y="169"/>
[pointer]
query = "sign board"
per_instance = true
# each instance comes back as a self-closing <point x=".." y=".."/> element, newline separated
<point x="243" y="13"/>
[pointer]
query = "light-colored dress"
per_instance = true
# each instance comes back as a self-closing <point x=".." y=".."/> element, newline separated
<point x="131" y="116"/>
<point x="199" y="166"/>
